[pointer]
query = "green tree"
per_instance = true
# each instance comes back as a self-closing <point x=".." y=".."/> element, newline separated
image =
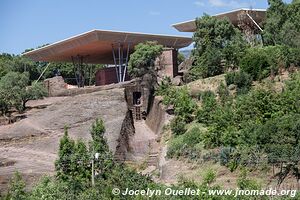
<point x="63" y="163"/>
<point x="15" y="93"/>
<point x="282" y="23"/>
<point x="12" y="87"/>
<point x="216" y="40"/>
<point x="16" y="190"/>
<point x="48" y="188"/>
<point x="33" y="92"/>
<point x="99" y="145"/>
<point x="73" y="163"/>
<point x="142" y="61"/>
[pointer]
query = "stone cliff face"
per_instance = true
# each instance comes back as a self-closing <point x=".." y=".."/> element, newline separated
<point x="30" y="146"/>
<point x="127" y="131"/>
<point x="156" y="117"/>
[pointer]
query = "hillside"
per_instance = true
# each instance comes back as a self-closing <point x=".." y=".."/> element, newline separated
<point x="30" y="145"/>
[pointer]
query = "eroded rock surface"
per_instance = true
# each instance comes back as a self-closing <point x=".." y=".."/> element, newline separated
<point x="30" y="146"/>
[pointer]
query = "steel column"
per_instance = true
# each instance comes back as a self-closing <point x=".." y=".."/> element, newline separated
<point x="126" y="62"/>
<point x="115" y="61"/>
<point x="121" y="60"/>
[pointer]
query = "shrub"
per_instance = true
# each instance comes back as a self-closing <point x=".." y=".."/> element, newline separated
<point x="164" y="87"/>
<point x="294" y="56"/>
<point x="255" y="62"/>
<point x="279" y="138"/>
<point x="206" y="95"/>
<point x="223" y="92"/>
<point x="187" y="145"/>
<point x="16" y="190"/>
<point x="178" y="126"/>
<point x="50" y="189"/>
<point x="241" y="79"/>
<point x="264" y="61"/>
<point x="209" y="104"/>
<point x="184" y="105"/>
<point x="209" y="177"/>
<point x="226" y="155"/>
<point x="244" y="182"/>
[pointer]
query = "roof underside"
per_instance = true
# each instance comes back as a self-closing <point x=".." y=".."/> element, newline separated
<point x="96" y="46"/>
<point x="257" y="14"/>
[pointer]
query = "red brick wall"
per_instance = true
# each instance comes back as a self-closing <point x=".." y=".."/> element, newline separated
<point x="107" y="76"/>
<point x="166" y="63"/>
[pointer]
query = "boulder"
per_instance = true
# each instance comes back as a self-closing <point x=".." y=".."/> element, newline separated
<point x="177" y="80"/>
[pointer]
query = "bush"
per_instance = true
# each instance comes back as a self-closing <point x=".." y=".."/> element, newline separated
<point x="184" y="105"/>
<point x="209" y="104"/>
<point x="164" y="87"/>
<point x="226" y="155"/>
<point x="178" y="126"/>
<point x="255" y="62"/>
<point x="294" y="57"/>
<point x="279" y="138"/>
<point x="223" y="92"/>
<point x="187" y="145"/>
<point x="244" y="182"/>
<point x="16" y="190"/>
<point x="206" y="95"/>
<point x="264" y="61"/>
<point x="241" y="79"/>
<point x="209" y="177"/>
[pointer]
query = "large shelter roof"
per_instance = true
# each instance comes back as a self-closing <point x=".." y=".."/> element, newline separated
<point x="257" y="14"/>
<point x="96" y="46"/>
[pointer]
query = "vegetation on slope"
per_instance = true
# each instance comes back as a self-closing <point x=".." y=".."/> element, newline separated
<point x="257" y="128"/>
<point x="73" y="176"/>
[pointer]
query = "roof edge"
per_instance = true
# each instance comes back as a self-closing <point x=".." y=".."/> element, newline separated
<point x="96" y="30"/>
<point x="235" y="10"/>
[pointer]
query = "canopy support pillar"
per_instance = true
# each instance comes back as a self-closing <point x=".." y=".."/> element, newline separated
<point x="79" y="69"/>
<point x="121" y="53"/>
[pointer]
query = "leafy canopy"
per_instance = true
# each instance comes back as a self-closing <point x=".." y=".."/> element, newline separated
<point x="217" y="44"/>
<point x="142" y="61"/>
<point x="15" y="92"/>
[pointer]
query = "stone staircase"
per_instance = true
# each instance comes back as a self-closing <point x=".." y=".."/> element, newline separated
<point x="153" y="156"/>
<point x="143" y="146"/>
<point x="136" y="114"/>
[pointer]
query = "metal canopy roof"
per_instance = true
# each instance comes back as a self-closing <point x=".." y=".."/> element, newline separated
<point x="257" y="14"/>
<point x="96" y="46"/>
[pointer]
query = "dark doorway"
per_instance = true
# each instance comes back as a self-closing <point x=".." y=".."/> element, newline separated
<point x="137" y="98"/>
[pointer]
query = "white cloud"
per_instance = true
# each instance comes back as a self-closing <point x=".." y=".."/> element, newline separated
<point x="154" y="13"/>
<point x="226" y="3"/>
<point x="239" y="4"/>
<point x="218" y="3"/>
<point x="199" y="3"/>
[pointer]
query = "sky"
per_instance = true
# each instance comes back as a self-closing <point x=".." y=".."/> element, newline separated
<point x="28" y="24"/>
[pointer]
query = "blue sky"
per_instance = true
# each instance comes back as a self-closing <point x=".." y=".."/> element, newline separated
<point x="31" y="23"/>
